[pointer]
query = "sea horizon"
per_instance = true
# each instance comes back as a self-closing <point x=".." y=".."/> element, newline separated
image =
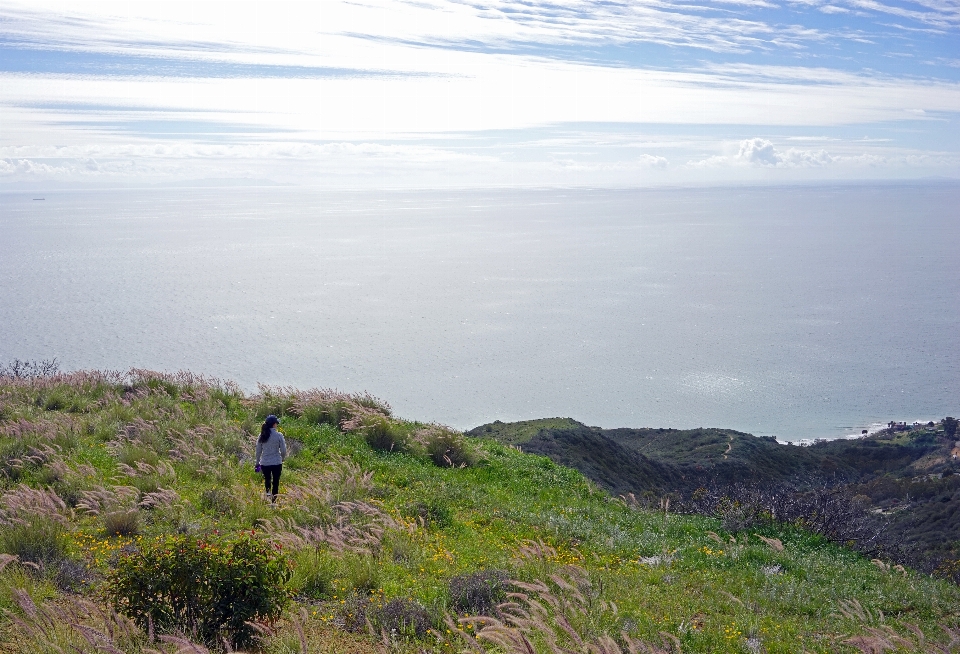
<point x="734" y="307"/>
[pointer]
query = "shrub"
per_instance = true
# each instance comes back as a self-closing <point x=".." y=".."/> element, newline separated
<point x="208" y="587"/>
<point x="382" y="434"/>
<point x="352" y="614"/>
<point x="72" y="576"/>
<point x="446" y="447"/>
<point x="402" y="617"/>
<point x="37" y="540"/>
<point x="950" y="427"/>
<point x="219" y="500"/>
<point x="478" y="593"/>
<point x="432" y="513"/>
<point x="122" y="523"/>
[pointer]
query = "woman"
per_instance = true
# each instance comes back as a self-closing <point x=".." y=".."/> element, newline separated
<point x="271" y="451"/>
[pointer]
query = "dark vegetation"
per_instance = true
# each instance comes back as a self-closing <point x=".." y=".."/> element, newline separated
<point x="894" y="494"/>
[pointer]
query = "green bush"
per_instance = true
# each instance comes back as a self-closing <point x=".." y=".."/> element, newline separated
<point x="122" y="523"/>
<point x="39" y="540"/>
<point x="206" y="587"/>
<point x="448" y="448"/>
<point x="383" y="435"/>
<point x="432" y="512"/>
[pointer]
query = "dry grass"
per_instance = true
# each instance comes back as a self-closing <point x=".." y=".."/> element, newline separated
<point x="551" y="617"/>
<point x="23" y="504"/>
<point x="356" y="527"/>
<point x="74" y="624"/>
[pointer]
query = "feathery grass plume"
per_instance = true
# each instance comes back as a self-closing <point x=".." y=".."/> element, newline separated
<point x="34" y="525"/>
<point x="357" y="527"/>
<point x="160" y="498"/>
<point x="7" y="559"/>
<point x="101" y="500"/>
<point x="885" y="638"/>
<point x="30" y="444"/>
<point x="74" y="624"/>
<point x="339" y="480"/>
<point x="853" y="610"/>
<point x="332" y="407"/>
<point x="877" y="641"/>
<point x="877" y="636"/>
<point x="540" y="618"/>
<point x="319" y="492"/>
<point x="773" y="543"/>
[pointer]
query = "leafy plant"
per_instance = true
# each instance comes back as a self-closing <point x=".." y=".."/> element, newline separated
<point x="208" y="587"/>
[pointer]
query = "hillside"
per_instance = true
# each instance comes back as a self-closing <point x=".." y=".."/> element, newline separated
<point x="908" y="476"/>
<point x="402" y="537"/>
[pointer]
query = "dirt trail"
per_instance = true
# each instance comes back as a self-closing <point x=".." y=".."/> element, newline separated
<point x="729" y="447"/>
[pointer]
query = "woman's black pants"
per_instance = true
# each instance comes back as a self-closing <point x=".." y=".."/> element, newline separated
<point x="274" y="472"/>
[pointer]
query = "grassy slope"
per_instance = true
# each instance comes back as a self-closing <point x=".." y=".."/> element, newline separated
<point x="910" y="475"/>
<point x="712" y="596"/>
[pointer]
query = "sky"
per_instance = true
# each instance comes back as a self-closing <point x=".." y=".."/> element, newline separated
<point x="472" y="93"/>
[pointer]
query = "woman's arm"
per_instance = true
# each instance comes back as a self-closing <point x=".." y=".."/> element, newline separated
<point x="283" y="447"/>
<point x="259" y="452"/>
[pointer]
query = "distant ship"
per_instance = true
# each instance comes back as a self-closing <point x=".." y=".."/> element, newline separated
<point x="35" y="199"/>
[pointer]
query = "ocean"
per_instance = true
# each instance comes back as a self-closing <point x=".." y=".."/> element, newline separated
<point x="798" y="311"/>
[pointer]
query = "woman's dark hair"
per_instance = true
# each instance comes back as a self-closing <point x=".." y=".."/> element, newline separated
<point x="264" y="433"/>
<point x="267" y="426"/>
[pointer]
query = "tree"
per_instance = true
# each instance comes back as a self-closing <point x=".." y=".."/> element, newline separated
<point x="950" y="427"/>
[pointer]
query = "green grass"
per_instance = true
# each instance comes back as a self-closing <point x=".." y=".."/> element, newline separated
<point x="637" y="572"/>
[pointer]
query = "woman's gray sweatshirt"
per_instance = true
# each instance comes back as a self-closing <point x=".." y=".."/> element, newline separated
<point x="273" y="452"/>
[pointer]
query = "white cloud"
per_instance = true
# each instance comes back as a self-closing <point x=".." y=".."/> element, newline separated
<point x="652" y="161"/>
<point x="758" y="151"/>
<point x="763" y="154"/>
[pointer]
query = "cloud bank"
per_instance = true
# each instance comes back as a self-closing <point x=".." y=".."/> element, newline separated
<point x="441" y="92"/>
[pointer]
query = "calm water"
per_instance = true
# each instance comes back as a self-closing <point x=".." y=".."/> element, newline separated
<point x="799" y="312"/>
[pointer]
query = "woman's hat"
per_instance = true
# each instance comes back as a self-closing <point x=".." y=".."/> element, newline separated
<point x="272" y="420"/>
